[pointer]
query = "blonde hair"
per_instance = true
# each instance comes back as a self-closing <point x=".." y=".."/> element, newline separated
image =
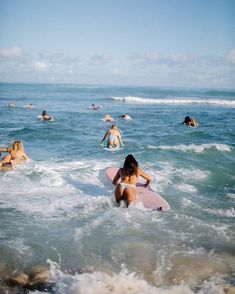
<point x="17" y="146"/>
<point x="114" y="127"/>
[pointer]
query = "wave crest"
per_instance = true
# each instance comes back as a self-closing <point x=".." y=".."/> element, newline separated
<point x="176" y="101"/>
<point x="193" y="147"/>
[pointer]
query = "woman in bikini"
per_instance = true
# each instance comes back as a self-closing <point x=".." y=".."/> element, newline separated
<point x="129" y="174"/>
<point x="114" y="137"/>
<point x="16" y="155"/>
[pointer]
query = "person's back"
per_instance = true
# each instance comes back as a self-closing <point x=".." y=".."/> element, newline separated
<point x="114" y="137"/>
<point x="129" y="174"/>
<point x="113" y="132"/>
<point x="108" y="118"/>
<point x="130" y="179"/>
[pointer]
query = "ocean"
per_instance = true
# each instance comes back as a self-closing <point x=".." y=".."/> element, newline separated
<point x="56" y="210"/>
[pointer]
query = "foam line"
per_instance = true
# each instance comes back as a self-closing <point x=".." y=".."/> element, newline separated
<point x="176" y="101"/>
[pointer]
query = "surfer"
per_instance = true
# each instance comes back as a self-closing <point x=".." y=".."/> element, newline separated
<point x="45" y="116"/>
<point x="108" y="118"/>
<point x="94" y="107"/>
<point x="16" y="155"/>
<point x="29" y="106"/>
<point x="190" y="121"/>
<point x="129" y="175"/>
<point x="125" y="116"/>
<point x="11" y="105"/>
<point x="114" y="137"/>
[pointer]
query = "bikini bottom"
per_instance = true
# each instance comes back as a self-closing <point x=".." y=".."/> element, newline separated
<point x="126" y="185"/>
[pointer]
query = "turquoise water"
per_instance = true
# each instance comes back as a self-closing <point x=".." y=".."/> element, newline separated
<point x="56" y="210"/>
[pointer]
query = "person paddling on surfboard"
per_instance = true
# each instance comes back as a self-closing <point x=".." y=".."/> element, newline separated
<point x="129" y="174"/>
<point x="16" y="155"/>
<point x="114" y="137"/>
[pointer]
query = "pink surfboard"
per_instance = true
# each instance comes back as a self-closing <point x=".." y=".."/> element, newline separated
<point x="148" y="197"/>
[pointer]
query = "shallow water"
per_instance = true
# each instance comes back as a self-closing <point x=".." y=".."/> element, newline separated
<point x="56" y="210"/>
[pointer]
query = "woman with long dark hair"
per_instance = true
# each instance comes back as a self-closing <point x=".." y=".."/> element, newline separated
<point x="129" y="174"/>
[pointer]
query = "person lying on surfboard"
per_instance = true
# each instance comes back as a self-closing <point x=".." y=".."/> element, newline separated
<point x="108" y="118"/>
<point x="114" y="137"/>
<point x="125" y="116"/>
<point x="129" y="174"/>
<point x="16" y="155"/>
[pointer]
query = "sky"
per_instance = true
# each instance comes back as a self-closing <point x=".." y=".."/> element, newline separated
<point x="168" y="43"/>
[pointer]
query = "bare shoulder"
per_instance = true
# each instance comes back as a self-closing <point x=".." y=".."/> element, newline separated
<point x="140" y="172"/>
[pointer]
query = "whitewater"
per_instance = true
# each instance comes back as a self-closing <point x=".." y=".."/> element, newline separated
<point x="56" y="210"/>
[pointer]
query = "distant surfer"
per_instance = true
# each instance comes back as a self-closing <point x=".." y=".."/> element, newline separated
<point x="95" y="107"/>
<point x="46" y="117"/>
<point x="129" y="174"/>
<point x="190" y="121"/>
<point x="108" y="118"/>
<point x="125" y="116"/>
<point x="113" y="136"/>
<point x="11" y="105"/>
<point x="29" y="106"/>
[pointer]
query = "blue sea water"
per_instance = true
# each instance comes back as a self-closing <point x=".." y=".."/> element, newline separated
<point x="57" y="210"/>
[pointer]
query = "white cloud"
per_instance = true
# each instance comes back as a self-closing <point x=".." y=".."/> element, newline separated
<point x="41" y="66"/>
<point x="11" y="53"/>
<point x="148" y="57"/>
<point x="181" y="57"/>
<point x="231" y="56"/>
<point x="99" y="59"/>
<point x="118" y="72"/>
<point x="152" y="56"/>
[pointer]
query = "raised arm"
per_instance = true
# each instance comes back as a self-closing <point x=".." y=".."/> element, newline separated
<point x="4" y="149"/>
<point x="106" y="134"/>
<point x="6" y="158"/>
<point x="120" y="140"/>
<point x="146" y="177"/>
<point x="116" y="178"/>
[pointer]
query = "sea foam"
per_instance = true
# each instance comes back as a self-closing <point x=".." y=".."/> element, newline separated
<point x="126" y="282"/>
<point x="192" y="147"/>
<point x="175" y="101"/>
<point x="222" y="212"/>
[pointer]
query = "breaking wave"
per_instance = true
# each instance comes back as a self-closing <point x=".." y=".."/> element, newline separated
<point x="192" y="147"/>
<point x="176" y="101"/>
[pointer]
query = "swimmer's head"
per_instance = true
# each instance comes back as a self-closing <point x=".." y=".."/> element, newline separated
<point x="186" y="120"/>
<point x="114" y="127"/>
<point x="44" y="112"/>
<point x="17" y="146"/>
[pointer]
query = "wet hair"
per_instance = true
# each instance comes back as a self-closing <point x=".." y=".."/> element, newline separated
<point x="44" y="112"/>
<point x="130" y="165"/>
<point x="187" y="120"/>
<point x="17" y="145"/>
<point x="114" y="127"/>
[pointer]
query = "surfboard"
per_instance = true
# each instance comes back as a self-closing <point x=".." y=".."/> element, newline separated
<point x="112" y="149"/>
<point x="51" y="119"/>
<point x="148" y="197"/>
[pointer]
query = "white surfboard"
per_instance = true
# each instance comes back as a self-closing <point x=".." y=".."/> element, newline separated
<point x="148" y="197"/>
